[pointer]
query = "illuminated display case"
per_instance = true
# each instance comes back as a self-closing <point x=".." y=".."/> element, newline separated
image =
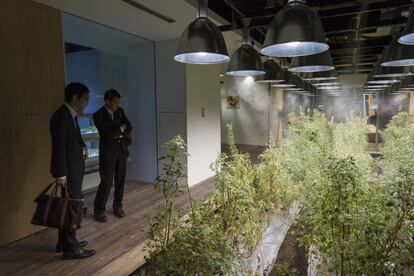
<point x="91" y="137"/>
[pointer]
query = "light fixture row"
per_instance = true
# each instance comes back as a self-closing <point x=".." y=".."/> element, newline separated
<point x="296" y="31"/>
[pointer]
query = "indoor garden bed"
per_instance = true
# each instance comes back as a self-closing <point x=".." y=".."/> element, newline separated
<point x="357" y="212"/>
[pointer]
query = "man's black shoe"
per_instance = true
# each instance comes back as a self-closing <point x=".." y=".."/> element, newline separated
<point x="78" y="254"/>
<point x="59" y="246"/>
<point x="100" y="217"/>
<point x="119" y="213"/>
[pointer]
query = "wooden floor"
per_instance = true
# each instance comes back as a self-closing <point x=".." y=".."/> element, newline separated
<point x="118" y="243"/>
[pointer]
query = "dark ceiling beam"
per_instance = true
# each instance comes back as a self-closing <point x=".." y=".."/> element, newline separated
<point x="345" y="52"/>
<point x="356" y="67"/>
<point x="360" y="44"/>
<point x="357" y="61"/>
<point x="357" y="64"/>
<point x="353" y="72"/>
<point x="360" y="57"/>
<point x="326" y="9"/>
<point x="356" y="7"/>
<point x="338" y="26"/>
<point x="343" y="25"/>
<point x="230" y="12"/>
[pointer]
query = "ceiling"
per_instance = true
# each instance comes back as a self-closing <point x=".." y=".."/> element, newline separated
<point x="123" y="16"/>
<point x="357" y="31"/>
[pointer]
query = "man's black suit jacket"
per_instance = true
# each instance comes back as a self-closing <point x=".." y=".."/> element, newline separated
<point x="109" y="131"/>
<point x="67" y="146"/>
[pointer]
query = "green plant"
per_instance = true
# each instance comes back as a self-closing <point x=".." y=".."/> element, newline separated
<point x="358" y="221"/>
<point x="162" y="229"/>
<point x="398" y="177"/>
<point x="283" y="269"/>
<point x="225" y="227"/>
<point x="234" y="197"/>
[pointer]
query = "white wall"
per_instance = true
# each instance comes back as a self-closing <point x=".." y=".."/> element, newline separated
<point x="182" y="92"/>
<point x="171" y="91"/>
<point x="251" y="121"/>
<point x="203" y="120"/>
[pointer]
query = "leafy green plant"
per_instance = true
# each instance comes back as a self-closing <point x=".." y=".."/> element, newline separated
<point x="397" y="250"/>
<point x="358" y="221"/>
<point x="162" y="229"/>
<point x="224" y="228"/>
<point x="235" y="196"/>
<point x="283" y="269"/>
<point x="357" y="216"/>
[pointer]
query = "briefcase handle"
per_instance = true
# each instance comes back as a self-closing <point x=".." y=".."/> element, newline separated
<point x="65" y="192"/>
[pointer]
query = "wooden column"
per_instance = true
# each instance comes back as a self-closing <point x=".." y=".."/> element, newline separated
<point x="277" y="117"/>
<point x="32" y="83"/>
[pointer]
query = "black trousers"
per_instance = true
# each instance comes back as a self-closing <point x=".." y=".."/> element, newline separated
<point x="67" y="238"/>
<point x="112" y="168"/>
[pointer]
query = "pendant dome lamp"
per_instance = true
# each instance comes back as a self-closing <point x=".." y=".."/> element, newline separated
<point x="245" y="61"/>
<point x="371" y="80"/>
<point x="329" y="83"/>
<point x="398" y="55"/>
<point x="293" y="89"/>
<point x="274" y="73"/>
<point x="314" y="63"/>
<point x="310" y="90"/>
<point x="202" y="41"/>
<point x="407" y="36"/>
<point x="320" y="76"/>
<point x="298" y="81"/>
<point x="376" y="86"/>
<point x="392" y="72"/>
<point x="335" y="87"/>
<point x="308" y="94"/>
<point x="296" y="30"/>
<point x="300" y="86"/>
<point x="288" y="83"/>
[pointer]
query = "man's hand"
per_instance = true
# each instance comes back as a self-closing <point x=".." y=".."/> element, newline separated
<point x="85" y="153"/>
<point x="123" y="127"/>
<point x="61" y="181"/>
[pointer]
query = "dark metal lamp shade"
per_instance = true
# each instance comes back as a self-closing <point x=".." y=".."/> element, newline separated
<point x="376" y="86"/>
<point x="327" y="83"/>
<point x="202" y="43"/>
<point x="408" y="34"/>
<point x="244" y="62"/>
<point x="321" y="76"/>
<point x="288" y="83"/>
<point x="384" y="81"/>
<point x="398" y="55"/>
<point x="295" y="31"/>
<point x="314" y="63"/>
<point x="274" y="73"/>
<point x="392" y="72"/>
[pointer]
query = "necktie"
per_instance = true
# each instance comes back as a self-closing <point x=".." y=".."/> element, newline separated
<point x="77" y="124"/>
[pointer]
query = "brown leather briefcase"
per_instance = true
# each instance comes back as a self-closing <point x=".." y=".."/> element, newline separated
<point x="58" y="210"/>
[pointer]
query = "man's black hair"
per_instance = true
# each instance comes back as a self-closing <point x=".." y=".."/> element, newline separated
<point x="75" y="89"/>
<point x="111" y="94"/>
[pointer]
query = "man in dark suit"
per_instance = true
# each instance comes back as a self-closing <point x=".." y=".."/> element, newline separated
<point x="115" y="135"/>
<point x="68" y="160"/>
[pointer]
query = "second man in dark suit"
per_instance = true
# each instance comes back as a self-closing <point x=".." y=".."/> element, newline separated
<point x="114" y="130"/>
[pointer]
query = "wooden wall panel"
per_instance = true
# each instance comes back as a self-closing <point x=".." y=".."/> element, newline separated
<point x="31" y="87"/>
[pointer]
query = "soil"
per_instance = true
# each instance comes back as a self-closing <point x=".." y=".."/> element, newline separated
<point x="292" y="254"/>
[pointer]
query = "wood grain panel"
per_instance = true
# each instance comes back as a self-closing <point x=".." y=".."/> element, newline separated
<point x="32" y="82"/>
